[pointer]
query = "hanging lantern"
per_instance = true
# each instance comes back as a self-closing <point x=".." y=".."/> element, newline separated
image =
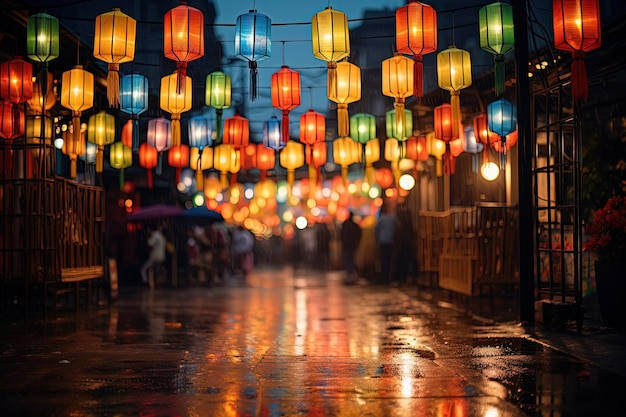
<point x="291" y="158"/>
<point x="114" y="43"/>
<point x="371" y="155"/>
<point x="199" y="129"/>
<point x="77" y="92"/>
<point x="134" y="101"/>
<point x="346" y="90"/>
<point x="148" y="158"/>
<point x="217" y="95"/>
<point x="200" y="160"/>
<point x="345" y="153"/>
<point x="511" y="140"/>
<point x="454" y="73"/>
<point x="495" y="22"/>
<point x="38" y="103"/>
<point x="265" y="159"/>
<point x="502" y="117"/>
<point x="312" y="127"/>
<point x="416" y="35"/>
<point x="121" y="157"/>
<point x="178" y="158"/>
<point x="577" y="29"/>
<point x="398" y="81"/>
<point x="248" y="157"/>
<point x="38" y="129"/>
<point x="362" y="127"/>
<point x="236" y="131"/>
<point x="159" y="136"/>
<point x="416" y="148"/>
<point x="331" y="41"/>
<point x="12" y="121"/>
<point x="74" y="144"/>
<point x="316" y="158"/>
<point x="285" y="95"/>
<point x="443" y="121"/>
<point x="42" y="37"/>
<point x="272" y="137"/>
<point x="183" y="40"/>
<point x="436" y="148"/>
<point x="101" y="132"/>
<point x="384" y="177"/>
<point x="253" y="43"/>
<point x="225" y="160"/>
<point x="175" y="101"/>
<point x="16" y="80"/>
<point x="399" y="128"/>
<point x="482" y="133"/>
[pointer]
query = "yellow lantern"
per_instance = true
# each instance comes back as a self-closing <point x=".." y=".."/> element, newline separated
<point x="200" y="160"/>
<point x="121" y="157"/>
<point x="101" y="132"/>
<point x="346" y="152"/>
<point x="398" y="81"/>
<point x="346" y="90"/>
<point x="330" y="40"/>
<point x="454" y="73"/>
<point x="224" y="158"/>
<point x="291" y="158"/>
<point x="175" y="101"/>
<point x="114" y="43"/>
<point x="372" y="155"/>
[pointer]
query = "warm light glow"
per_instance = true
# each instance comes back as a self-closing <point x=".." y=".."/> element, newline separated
<point x="406" y="182"/>
<point x="489" y="171"/>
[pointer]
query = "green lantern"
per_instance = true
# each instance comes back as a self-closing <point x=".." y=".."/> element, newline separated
<point x="362" y="127"/>
<point x="495" y="22"/>
<point x="42" y="37"/>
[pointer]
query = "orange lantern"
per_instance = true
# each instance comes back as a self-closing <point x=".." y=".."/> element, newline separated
<point x="265" y="159"/>
<point x="248" y="156"/>
<point x="175" y="101"/>
<point x="127" y="134"/>
<point x="416" y="148"/>
<point x="285" y="95"/>
<point x="312" y="127"/>
<point x="416" y="35"/>
<point x="183" y="39"/>
<point x="482" y="133"/>
<point x="38" y="103"/>
<point x="148" y="157"/>
<point x="577" y="29"/>
<point x="16" y="80"/>
<point x="330" y="40"/>
<point x="443" y="121"/>
<point x="200" y="160"/>
<point x="291" y="158"/>
<point x="346" y="89"/>
<point x="236" y="131"/>
<point x="315" y="158"/>
<point x="384" y="177"/>
<point x="345" y="153"/>
<point x="178" y="157"/>
<point x="224" y="159"/>
<point x="114" y="43"/>
<point x="398" y="81"/>
<point x="454" y="73"/>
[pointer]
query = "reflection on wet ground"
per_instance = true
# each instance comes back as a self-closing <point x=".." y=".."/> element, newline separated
<point x="286" y="345"/>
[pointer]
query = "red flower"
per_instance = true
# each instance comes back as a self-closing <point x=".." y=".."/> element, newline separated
<point x="608" y="230"/>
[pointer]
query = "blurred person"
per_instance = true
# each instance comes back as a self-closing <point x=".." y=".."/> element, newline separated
<point x="243" y="246"/>
<point x="405" y="244"/>
<point x="350" y="238"/>
<point x="157" y="243"/>
<point x="323" y="245"/>
<point x="385" y="231"/>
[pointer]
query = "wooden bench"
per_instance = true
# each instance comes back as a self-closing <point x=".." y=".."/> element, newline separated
<point x="80" y="274"/>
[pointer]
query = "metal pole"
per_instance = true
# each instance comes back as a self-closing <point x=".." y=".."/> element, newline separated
<point x="525" y="166"/>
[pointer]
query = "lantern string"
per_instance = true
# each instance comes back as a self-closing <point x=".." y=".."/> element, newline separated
<point x="580" y="89"/>
<point x="418" y="76"/>
<point x="113" y="85"/>
<point x="310" y="98"/>
<point x="343" y="121"/>
<point x="253" y="80"/>
<point x="498" y="73"/>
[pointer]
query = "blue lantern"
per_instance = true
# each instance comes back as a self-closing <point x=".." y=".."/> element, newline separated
<point x="200" y="131"/>
<point x="253" y="43"/>
<point x="134" y="101"/>
<point x="502" y="120"/>
<point x="271" y="134"/>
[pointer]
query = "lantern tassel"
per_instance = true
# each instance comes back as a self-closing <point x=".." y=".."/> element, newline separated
<point x="175" y="129"/>
<point x="113" y="85"/>
<point x="121" y="178"/>
<point x="100" y="159"/>
<point x="285" y="126"/>
<point x="455" y="104"/>
<point x="332" y="76"/>
<point x="254" y="75"/>
<point x="181" y="75"/>
<point x="343" y="121"/>
<point x="499" y="74"/>
<point x="135" y="134"/>
<point x="344" y="174"/>
<point x="291" y="176"/>
<point x="418" y="76"/>
<point x="177" y="175"/>
<point x="263" y="175"/>
<point x="218" y="125"/>
<point x="400" y="116"/>
<point x="149" y="179"/>
<point x="369" y="174"/>
<point x="580" y="88"/>
<point x="159" y="167"/>
<point x="224" y="180"/>
<point x="312" y="175"/>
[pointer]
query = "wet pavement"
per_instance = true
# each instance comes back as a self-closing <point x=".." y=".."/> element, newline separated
<point x="300" y="344"/>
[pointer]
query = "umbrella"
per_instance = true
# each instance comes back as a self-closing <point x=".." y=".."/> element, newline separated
<point x="154" y="212"/>
<point x="202" y="215"/>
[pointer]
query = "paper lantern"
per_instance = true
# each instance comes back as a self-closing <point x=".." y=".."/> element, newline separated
<point x="577" y="29"/>
<point x="330" y="40"/>
<point x="178" y="158"/>
<point x="398" y="81"/>
<point x="502" y="117"/>
<point x="346" y="90"/>
<point x="183" y="40"/>
<point x="316" y="158"/>
<point x="12" y="121"/>
<point x="312" y="127"/>
<point x="265" y="159"/>
<point x="416" y="148"/>
<point x="101" y="132"/>
<point x="148" y="159"/>
<point x="503" y="147"/>
<point x="90" y="155"/>
<point x="200" y="160"/>
<point x="39" y="102"/>
<point x="16" y="80"/>
<point x="77" y="93"/>
<point x="121" y="157"/>
<point x="159" y="136"/>
<point x="272" y="136"/>
<point x="236" y="131"/>
<point x="42" y="37"/>
<point x="218" y="96"/>
<point x="371" y="155"/>
<point x="224" y="159"/>
<point x="443" y="123"/>
<point x="454" y="73"/>
<point x="362" y="127"/>
<point x="285" y="95"/>
<point x="134" y="101"/>
<point x="416" y="35"/>
<point x="253" y="43"/>
<point x="495" y="23"/>
<point x="199" y="131"/>
<point x="175" y="101"/>
<point x="345" y="153"/>
<point x="74" y="143"/>
<point x="399" y="128"/>
<point x="291" y="158"/>
<point x="114" y="43"/>
<point x="38" y="129"/>
<point x="248" y="157"/>
<point x="384" y="177"/>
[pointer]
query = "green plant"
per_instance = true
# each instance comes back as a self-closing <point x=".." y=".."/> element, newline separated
<point x="608" y="230"/>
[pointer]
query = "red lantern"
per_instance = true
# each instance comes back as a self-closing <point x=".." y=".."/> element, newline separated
<point x="12" y="122"/>
<point x="236" y="131"/>
<point x="416" y="148"/>
<point x="442" y="116"/>
<point x="416" y="35"/>
<point x="577" y="30"/>
<point x="178" y="157"/>
<point x="148" y="158"/>
<point x="312" y="127"/>
<point x="285" y="95"/>
<point x="265" y="159"/>
<point x="16" y="81"/>
<point x="384" y="177"/>
<point x="183" y="38"/>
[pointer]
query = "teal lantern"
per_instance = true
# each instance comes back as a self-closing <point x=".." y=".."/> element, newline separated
<point x="400" y="128"/>
<point x="272" y="137"/>
<point x="502" y="120"/>
<point x="134" y="101"/>
<point x="495" y="22"/>
<point x="253" y="43"/>
<point x="362" y="127"/>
